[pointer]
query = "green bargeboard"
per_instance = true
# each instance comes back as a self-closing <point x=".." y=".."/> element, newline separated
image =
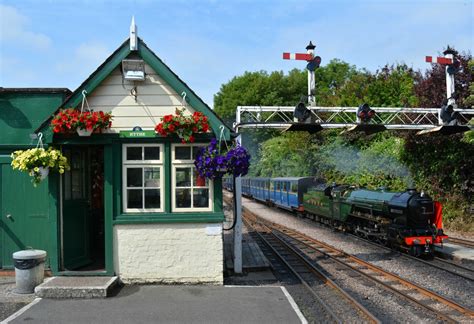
<point x="28" y="225"/>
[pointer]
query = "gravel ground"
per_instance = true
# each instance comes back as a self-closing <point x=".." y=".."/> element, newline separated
<point x="445" y="284"/>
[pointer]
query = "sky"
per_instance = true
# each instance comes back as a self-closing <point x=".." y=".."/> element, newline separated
<point x="59" y="43"/>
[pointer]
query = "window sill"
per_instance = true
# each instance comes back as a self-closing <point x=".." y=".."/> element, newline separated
<point x="197" y="217"/>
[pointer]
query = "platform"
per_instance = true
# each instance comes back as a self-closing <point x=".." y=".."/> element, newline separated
<point x="76" y="287"/>
<point x="253" y="258"/>
<point x="170" y="304"/>
<point x="456" y="252"/>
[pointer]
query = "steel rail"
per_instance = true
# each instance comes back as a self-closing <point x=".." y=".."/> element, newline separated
<point x="341" y="254"/>
<point x="460" y="241"/>
<point x="308" y="287"/>
<point x="315" y="271"/>
<point x="470" y="278"/>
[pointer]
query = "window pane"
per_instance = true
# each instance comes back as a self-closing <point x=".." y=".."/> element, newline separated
<point x="134" y="198"/>
<point x="199" y="181"/>
<point x="201" y="197"/>
<point x="152" y="198"/>
<point x="152" y="152"/>
<point x="182" y="153"/>
<point x="134" y="153"/>
<point x="183" y="198"/>
<point x="183" y="177"/>
<point x="134" y="177"/>
<point x="196" y="150"/>
<point x="152" y="177"/>
<point x="76" y="185"/>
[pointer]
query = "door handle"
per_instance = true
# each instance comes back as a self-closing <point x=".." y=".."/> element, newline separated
<point x="9" y="216"/>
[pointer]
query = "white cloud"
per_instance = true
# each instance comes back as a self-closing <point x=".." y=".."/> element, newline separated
<point x="87" y="56"/>
<point x="14" y="28"/>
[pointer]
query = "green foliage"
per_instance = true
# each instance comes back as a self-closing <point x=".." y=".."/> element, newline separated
<point x="393" y="86"/>
<point x="444" y="164"/>
<point x="469" y="135"/>
<point x="330" y="79"/>
<point x="259" y="89"/>
<point x="469" y="101"/>
<point x="373" y="166"/>
<point x="285" y="155"/>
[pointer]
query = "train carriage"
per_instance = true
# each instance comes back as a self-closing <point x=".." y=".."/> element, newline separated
<point x="288" y="192"/>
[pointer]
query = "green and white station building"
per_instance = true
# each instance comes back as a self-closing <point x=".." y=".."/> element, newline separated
<point x="131" y="204"/>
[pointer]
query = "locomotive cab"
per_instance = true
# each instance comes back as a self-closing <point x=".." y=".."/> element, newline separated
<point x="412" y="214"/>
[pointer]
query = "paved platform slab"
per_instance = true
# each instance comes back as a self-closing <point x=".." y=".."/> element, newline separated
<point x="456" y="252"/>
<point x="253" y="258"/>
<point x="76" y="287"/>
<point x="170" y="304"/>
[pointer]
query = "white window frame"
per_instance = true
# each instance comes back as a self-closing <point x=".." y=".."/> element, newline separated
<point x="188" y="163"/>
<point x="142" y="164"/>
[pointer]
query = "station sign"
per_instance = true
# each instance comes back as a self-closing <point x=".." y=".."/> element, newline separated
<point x="138" y="133"/>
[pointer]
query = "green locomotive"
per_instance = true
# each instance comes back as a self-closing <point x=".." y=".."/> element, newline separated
<point x="409" y="220"/>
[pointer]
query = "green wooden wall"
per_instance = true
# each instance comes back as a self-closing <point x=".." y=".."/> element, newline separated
<point x="22" y="112"/>
<point x="28" y="214"/>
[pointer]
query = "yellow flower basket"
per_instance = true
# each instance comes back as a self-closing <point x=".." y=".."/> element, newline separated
<point x="38" y="162"/>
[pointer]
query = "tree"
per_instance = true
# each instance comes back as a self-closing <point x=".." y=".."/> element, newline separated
<point x="469" y="101"/>
<point x="392" y="86"/>
<point x="259" y="89"/>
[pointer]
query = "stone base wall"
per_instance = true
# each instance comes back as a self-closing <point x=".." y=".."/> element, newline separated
<point x="169" y="253"/>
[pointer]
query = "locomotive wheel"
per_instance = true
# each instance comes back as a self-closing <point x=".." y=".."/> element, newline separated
<point x="416" y="250"/>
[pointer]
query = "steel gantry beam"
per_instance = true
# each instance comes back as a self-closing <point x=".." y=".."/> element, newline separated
<point x="281" y="117"/>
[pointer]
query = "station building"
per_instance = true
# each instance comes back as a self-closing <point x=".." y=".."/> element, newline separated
<point x="130" y="205"/>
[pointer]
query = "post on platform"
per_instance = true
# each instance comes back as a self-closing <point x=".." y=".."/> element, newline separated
<point x="238" y="207"/>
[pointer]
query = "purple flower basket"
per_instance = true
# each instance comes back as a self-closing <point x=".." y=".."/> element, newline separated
<point x="212" y="164"/>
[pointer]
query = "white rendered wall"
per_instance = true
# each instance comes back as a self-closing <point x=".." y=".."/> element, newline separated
<point x="169" y="253"/>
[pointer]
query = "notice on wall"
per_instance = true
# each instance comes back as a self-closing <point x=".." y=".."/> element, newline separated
<point x="214" y="229"/>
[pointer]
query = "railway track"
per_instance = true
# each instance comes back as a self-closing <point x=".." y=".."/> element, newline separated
<point x="462" y="242"/>
<point x="439" y="263"/>
<point x="312" y="278"/>
<point x="443" y="308"/>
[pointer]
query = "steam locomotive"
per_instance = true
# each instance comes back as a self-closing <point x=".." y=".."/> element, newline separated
<point x="408" y="220"/>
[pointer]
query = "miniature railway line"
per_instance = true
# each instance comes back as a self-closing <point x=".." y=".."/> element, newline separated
<point x="460" y="241"/>
<point x="439" y="263"/>
<point x="307" y="274"/>
<point x="443" y="308"/>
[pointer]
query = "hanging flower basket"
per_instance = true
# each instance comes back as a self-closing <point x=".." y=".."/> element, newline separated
<point x="84" y="132"/>
<point x="183" y="126"/>
<point x="71" y="120"/>
<point x="43" y="172"/>
<point x="38" y="162"/>
<point x="211" y="163"/>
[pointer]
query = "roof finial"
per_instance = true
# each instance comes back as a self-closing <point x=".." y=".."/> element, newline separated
<point x="133" y="35"/>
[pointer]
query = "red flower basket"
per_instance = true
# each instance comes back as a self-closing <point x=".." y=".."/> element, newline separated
<point x="70" y="120"/>
<point x="183" y="126"/>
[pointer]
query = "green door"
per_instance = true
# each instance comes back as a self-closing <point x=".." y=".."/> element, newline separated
<point x="25" y="215"/>
<point x="76" y="213"/>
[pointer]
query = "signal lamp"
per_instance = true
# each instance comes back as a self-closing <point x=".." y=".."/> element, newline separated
<point x="301" y="113"/>
<point x="365" y="113"/>
<point x="448" y="115"/>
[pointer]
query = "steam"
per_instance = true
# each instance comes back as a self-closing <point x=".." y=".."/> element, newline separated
<point x="349" y="161"/>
